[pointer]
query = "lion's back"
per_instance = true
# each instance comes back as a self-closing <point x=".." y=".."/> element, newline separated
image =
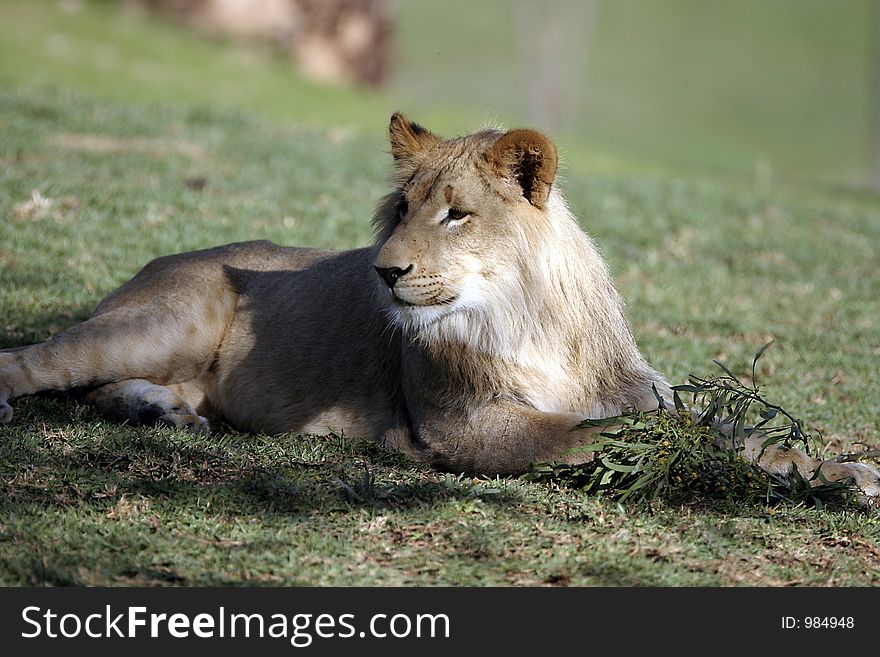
<point x="205" y="270"/>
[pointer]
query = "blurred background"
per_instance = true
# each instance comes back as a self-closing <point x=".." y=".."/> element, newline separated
<point x="768" y="89"/>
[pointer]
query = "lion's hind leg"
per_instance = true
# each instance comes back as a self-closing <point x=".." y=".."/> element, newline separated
<point x="140" y="402"/>
<point x="171" y="339"/>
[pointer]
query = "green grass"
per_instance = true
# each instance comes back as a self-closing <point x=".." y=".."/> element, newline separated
<point x="710" y="270"/>
<point x="777" y="86"/>
<point x="114" y="53"/>
<point x="766" y="88"/>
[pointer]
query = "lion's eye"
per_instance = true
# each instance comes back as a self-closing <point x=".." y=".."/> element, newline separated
<point x="456" y="214"/>
<point x="402" y="209"/>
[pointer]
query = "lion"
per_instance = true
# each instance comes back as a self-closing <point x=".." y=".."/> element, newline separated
<point x="475" y="334"/>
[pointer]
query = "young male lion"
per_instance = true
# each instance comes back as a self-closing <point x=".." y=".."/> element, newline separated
<point x="475" y="334"/>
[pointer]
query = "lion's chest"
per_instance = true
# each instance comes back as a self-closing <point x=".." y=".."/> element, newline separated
<point x="544" y="380"/>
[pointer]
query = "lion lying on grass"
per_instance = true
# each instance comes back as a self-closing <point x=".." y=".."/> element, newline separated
<point x="475" y="335"/>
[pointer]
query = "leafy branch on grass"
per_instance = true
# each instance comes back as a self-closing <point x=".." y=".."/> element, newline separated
<point x="694" y="451"/>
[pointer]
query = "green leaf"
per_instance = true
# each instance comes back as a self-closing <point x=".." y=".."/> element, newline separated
<point x="604" y="422"/>
<point x="661" y="403"/>
<point x="586" y="449"/>
<point x="689" y="388"/>
<point x="679" y="405"/>
<point x="642" y="481"/>
<point x="629" y="446"/>
<point x="757" y="357"/>
<point x="617" y="467"/>
<point x="606" y="478"/>
<point x="724" y="367"/>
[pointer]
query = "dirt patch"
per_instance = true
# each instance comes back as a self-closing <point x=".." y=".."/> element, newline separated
<point x="39" y="207"/>
<point x="128" y="508"/>
<point x="738" y="570"/>
<point x="160" y="147"/>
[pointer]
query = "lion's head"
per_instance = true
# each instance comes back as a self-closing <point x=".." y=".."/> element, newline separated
<point x="477" y="253"/>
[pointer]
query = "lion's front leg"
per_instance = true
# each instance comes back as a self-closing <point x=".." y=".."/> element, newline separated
<point x="497" y="438"/>
<point x="780" y="460"/>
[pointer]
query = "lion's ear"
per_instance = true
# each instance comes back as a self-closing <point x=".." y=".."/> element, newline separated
<point x="409" y="139"/>
<point x="530" y="158"/>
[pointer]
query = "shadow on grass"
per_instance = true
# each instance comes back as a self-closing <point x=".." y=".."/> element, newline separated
<point x="49" y="463"/>
<point x="20" y="329"/>
<point x="84" y="502"/>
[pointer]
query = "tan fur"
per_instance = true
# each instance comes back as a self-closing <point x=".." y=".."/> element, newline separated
<point x="502" y="331"/>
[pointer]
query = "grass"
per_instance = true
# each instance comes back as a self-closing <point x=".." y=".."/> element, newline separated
<point x="100" y="48"/>
<point x="173" y="143"/>
<point x="770" y="89"/>
<point x="710" y="270"/>
<point x="777" y="86"/>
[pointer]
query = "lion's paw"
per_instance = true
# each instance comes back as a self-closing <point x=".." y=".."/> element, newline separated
<point x="190" y="422"/>
<point x="6" y="374"/>
<point x="5" y="412"/>
<point x="865" y="478"/>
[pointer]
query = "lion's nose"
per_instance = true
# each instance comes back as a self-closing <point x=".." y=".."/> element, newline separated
<point x="392" y="274"/>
